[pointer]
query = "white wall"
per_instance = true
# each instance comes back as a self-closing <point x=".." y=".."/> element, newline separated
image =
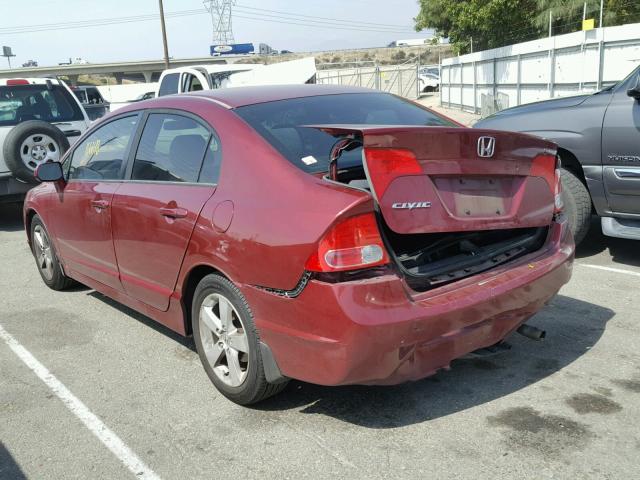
<point x="541" y="69"/>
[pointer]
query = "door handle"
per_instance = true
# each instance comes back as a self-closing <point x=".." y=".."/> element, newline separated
<point x="99" y="204"/>
<point x="175" y="212"/>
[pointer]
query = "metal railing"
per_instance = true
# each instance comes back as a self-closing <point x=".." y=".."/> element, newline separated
<point x="401" y="79"/>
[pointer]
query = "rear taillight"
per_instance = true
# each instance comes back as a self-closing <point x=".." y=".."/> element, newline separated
<point x="547" y="166"/>
<point x="557" y="191"/>
<point x="352" y="244"/>
<point x="387" y="164"/>
<point x="17" y="81"/>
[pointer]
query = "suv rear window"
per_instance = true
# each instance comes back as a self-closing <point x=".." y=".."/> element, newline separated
<point x="282" y="123"/>
<point x="20" y="103"/>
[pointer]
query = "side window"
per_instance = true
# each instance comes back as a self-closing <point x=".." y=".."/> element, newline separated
<point x="190" y="83"/>
<point x="171" y="149"/>
<point x="100" y="156"/>
<point x="169" y="84"/>
<point x="210" y="172"/>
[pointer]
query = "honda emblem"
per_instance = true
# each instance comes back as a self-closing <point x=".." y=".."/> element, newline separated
<point x="486" y="146"/>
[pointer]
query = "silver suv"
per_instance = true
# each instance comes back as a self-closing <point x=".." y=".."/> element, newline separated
<point x="39" y="118"/>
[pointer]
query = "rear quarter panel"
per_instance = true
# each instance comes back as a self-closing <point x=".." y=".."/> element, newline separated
<point x="278" y="212"/>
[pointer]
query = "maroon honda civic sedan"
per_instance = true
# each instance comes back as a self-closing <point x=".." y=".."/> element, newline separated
<point x="330" y="234"/>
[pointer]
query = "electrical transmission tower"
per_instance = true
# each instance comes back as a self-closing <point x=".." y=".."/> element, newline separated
<point x="220" y="11"/>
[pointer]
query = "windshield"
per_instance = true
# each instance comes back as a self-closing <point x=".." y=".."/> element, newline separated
<point x="20" y="103"/>
<point x="221" y="79"/>
<point x="282" y="123"/>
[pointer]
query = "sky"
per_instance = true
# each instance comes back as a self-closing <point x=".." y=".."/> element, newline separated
<point x="376" y="23"/>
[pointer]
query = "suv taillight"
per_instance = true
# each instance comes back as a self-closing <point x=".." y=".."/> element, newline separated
<point x="352" y="244"/>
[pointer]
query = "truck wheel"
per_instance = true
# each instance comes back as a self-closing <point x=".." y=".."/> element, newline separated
<point x="577" y="205"/>
<point x="30" y="144"/>
<point x="228" y="343"/>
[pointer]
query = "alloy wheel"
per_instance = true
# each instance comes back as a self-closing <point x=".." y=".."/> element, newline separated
<point x="223" y="337"/>
<point x="43" y="252"/>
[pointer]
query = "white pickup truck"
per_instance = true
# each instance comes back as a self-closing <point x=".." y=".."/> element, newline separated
<point x="211" y="77"/>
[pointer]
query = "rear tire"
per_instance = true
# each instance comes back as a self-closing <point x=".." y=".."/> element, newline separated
<point x="577" y="205"/>
<point x="46" y="259"/>
<point x="228" y="342"/>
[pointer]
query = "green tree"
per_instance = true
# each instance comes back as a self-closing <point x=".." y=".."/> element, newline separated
<point x="496" y="23"/>
<point x="490" y="23"/>
<point x="567" y="14"/>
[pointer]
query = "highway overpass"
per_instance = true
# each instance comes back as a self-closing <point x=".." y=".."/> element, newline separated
<point x="143" y="70"/>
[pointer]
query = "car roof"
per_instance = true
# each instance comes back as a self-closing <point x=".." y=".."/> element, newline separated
<point x="235" y="97"/>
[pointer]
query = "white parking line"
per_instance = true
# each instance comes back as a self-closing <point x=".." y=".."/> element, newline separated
<point x="610" y="269"/>
<point x="80" y="410"/>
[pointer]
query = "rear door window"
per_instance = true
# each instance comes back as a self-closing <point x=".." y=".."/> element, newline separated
<point x="102" y="154"/>
<point x="169" y="84"/>
<point x="171" y="149"/>
<point x="19" y="103"/>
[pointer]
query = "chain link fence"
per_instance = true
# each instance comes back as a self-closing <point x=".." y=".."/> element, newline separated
<point x="400" y="79"/>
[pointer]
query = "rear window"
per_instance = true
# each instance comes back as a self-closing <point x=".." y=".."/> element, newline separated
<point x="282" y="123"/>
<point x="20" y="103"/>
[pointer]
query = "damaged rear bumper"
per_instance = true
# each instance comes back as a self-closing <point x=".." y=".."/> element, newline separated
<point x="378" y="331"/>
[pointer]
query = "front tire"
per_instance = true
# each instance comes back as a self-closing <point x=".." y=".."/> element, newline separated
<point x="577" y="205"/>
<point x="228" y="342"/>
<point x="46" y="259"/>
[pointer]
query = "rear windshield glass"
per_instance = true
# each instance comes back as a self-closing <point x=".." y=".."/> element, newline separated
<point x="282" y="122"/>
<point x="20" y="103"/>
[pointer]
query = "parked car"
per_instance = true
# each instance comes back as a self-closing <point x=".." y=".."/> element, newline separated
<point x="429" y="82"/>
<point x="92" y="100"/>
<point x="598" y="136"/>
<point x="212" y="77"/>
<point x="144" y="96"/>
<point x="332" y="234"/>
<point x="39" y="118"/>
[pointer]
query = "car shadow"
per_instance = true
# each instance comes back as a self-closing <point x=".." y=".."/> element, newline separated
<point x="158" y="327"/>
<point x="622" y="251"/>
<point x="9" y="468"/>
<point x="572" y="326"/>
<point x="11" y="217"/>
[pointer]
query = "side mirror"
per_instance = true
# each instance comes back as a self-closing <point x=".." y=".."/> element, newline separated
<point x="49" y="172"/>
<point x="635" y="91"/>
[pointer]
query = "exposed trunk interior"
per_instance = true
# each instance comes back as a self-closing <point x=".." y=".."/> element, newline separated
<point x="430" y="260"/>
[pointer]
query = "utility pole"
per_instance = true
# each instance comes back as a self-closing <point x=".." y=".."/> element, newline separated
<point x="584" y="12"/>
<point x="550" y="22"/>
<point x="601" y="12"/>
<point x="164" y="36"/>
<point x="471" y="44"/>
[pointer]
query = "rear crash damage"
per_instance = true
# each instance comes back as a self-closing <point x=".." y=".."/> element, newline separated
<point x="450" y="211"/>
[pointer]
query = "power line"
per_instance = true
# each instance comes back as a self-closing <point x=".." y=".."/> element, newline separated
<point x="386" y="25"/>
<point x="355" y="26"/>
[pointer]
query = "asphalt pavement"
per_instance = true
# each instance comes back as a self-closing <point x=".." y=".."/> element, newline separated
<point x="564" y="408"/>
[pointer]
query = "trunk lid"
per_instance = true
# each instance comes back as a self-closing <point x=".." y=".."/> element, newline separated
<point x="443" y="179"/>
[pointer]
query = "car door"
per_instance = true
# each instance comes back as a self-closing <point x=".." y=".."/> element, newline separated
<point x="621" y="150"/>
<point x="82" y="217"/>
<point x="155" y="211"/>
